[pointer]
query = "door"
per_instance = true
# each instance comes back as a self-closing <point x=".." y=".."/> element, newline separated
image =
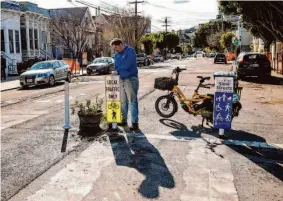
<point x="64" y="67"/>
<point x="58" y="73"/>
<point x="2" y="41"/>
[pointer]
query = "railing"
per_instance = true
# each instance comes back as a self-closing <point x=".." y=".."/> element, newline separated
<point x="12" y="64"/>
<point x="45" y="54"/>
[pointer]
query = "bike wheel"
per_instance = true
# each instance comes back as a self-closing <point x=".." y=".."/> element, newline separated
<point x="166" y="106"/>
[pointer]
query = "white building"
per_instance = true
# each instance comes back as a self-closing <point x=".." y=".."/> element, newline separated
<point x="24" y="33"/>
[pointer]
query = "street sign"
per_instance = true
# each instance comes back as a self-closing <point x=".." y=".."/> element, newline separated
<point x="223" y="100"/>
<point x="113" y="103"/>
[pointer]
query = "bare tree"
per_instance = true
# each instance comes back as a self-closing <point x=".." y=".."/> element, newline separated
<point x="69" y="31"/>
<point x="123" y="26"/>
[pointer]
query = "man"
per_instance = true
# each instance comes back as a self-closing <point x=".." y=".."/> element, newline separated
<point x="126" y="67"/>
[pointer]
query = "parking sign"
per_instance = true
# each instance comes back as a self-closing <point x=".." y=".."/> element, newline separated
<point x="223" y="100"/>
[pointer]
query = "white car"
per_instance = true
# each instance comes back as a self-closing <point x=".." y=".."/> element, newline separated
<point x="46" y="72"/>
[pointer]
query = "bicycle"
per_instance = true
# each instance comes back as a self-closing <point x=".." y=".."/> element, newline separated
<point x="113" y="106"/>
<point x="197" y="105"/>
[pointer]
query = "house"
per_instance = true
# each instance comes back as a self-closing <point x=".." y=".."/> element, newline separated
<point x="24" y="33"/>
<point x="77" y="25"/>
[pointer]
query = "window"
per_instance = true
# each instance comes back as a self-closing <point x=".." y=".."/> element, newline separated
<point x="30" y="39"/>
<point x="2" y="40"/>
<point x="43" y="39"/>
<point x="24" y="39"/>
<point x="35" y="39"/>
<point x="56" y="64"/>
<point x="11" y="41"/>
<point x="17" y="36"/>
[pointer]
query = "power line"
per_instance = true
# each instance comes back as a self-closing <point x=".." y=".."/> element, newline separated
<point x="136" y="20"/>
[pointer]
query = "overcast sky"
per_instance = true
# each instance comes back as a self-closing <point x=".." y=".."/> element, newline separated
<point x="182" y="15"/>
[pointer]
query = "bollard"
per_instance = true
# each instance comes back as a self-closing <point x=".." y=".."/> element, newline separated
<point x="221" y="132"/>
<point x="67" y="118"/>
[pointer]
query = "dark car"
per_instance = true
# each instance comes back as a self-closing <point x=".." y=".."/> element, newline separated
<point x="220" y="58"/>
<point x="253" y="64"/>
<point x="142" y="59"/>
<point x="101" y="65"/>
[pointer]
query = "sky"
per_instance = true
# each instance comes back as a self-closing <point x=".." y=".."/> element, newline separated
<point x="180" y="15"/>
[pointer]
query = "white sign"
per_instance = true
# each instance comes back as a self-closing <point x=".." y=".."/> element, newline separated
<point x="224" y="84"/>
<point x="112" y="88"/>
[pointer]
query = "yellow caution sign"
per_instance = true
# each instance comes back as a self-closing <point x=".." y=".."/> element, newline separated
<point x="113" y="110"/>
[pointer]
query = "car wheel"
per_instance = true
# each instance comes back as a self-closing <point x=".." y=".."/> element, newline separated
<point x="88" y="73"/>
<point x="24" y="87"/>
<point x="69" y="77"/>
<point x="51" y="81"/>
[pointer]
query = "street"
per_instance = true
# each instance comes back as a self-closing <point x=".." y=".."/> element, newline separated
<point x="170" y="159"/>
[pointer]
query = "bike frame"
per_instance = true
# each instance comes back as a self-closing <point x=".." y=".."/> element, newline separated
<point x="196" y="97"/>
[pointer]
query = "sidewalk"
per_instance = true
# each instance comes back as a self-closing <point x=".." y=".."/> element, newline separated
<point x="10" y="83"/>
<point x="13" y="82"/>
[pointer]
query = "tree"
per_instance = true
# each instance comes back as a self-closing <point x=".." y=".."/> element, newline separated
<point x="170" y="41"/>
<point x="178" y="49"/>
<point x="226" y="40"/>
<point x="207" y="29"/>
<point x="263" y="19"/>
<point x="149" y="41"/>
<point x="71" y="32"/>
<point x="123" y="26"/>
<point x="213" y="41"/>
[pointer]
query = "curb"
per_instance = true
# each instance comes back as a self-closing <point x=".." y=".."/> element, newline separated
<point x="10" y="89"/>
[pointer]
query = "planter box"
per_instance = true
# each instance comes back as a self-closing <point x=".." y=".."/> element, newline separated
<point x="89" y="125"/>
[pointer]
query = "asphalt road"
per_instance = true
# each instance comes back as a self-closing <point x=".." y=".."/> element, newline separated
<point x="31" y="137"/>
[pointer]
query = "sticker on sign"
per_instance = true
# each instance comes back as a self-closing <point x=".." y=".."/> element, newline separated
<point x="224" y="84"/>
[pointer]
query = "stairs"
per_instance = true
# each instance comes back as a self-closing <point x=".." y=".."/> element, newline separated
<point x="12" y="64"/>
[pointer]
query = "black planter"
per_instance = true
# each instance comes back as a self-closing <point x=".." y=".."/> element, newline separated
<point x="89" y="125"/>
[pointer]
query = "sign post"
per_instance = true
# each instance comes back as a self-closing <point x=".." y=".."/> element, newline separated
<point x="223" y="101"/>
<point x="113" y="103"/>
<point x="67" y="118"/>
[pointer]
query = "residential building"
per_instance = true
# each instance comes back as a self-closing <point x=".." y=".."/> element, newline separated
<point x="24" y="33"/>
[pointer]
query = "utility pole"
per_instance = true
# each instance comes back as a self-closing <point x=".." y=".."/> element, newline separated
<point x="136" y="2"/>
<point x="166" y="28"/>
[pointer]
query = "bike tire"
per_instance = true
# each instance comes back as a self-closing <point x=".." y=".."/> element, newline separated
<point x="172" y="102"/>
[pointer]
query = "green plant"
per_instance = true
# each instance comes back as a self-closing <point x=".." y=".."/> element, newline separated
<point x="87" y="108"/>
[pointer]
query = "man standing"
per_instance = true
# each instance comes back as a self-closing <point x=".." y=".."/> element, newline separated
<point x="126" y="67"/>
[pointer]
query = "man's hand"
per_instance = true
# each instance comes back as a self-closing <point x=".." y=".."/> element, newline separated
<point x="114" y="73"/>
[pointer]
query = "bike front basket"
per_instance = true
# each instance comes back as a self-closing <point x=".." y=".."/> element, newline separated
<point x="164" y="83"/>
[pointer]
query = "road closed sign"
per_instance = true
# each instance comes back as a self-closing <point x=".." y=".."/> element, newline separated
<point x="113" y="103"/>
<point x="223" y="100"/>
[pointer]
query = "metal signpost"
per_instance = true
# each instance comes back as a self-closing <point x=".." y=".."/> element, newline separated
<point x="113" y="103"/>
<point x="223" y="100"/>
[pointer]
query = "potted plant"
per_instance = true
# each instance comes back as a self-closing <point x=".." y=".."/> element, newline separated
<point x="90" y="116"/>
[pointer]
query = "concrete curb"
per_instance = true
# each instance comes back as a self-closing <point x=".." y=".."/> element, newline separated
<point x="10" y="89"/>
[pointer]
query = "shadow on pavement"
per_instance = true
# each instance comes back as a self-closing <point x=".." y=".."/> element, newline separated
<point x="270" y="160"/>
<point x="272" y="80"/>
<point x="141" y="155"/>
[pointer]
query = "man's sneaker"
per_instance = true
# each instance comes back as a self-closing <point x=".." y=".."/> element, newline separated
<point x="122" y="124"/>
<point x="134" y="127"/>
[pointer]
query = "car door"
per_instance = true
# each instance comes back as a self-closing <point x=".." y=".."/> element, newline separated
<point x="57" y="70"/>
<point x="65" y="68"/>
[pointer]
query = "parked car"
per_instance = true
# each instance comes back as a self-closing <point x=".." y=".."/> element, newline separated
<point x="46" y="72"/>
<point x="158" y="58"/>
<point x="212" y="55"/>
<point x="151" y="62"/>
<point x="252" y="64"/>
<point x="142" y="59"/>
<point x="101" y="65"/>
<point x="220" y="58"/>
<point x="198" y="54"/>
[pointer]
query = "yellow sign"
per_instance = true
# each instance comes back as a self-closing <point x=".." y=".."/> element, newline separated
<point x="113" y="110"/>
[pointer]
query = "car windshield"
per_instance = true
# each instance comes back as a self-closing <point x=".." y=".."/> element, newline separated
<point x="220" y="55"/>
<point x="100" y="60"/>
<point x="42" y="65"/>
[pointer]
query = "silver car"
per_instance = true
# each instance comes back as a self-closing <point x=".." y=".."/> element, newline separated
<point x="46" y="72"/>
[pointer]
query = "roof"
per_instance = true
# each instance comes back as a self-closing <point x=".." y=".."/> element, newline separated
<point x="11" y="6"/>
<point x="78" y="12"/>
<point x="24" y="7"/>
